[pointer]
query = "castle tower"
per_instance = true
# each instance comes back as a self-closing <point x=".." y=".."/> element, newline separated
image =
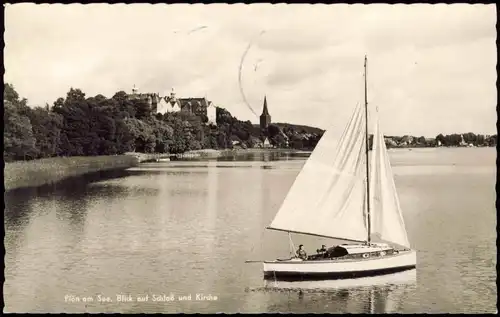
<point x="134" y="90"/>
<point x="172" y="97"/>
<point x="175" y="105"/>
<point x="265" y="117"/>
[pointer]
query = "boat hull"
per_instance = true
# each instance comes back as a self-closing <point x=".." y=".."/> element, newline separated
<point x="407" y="278"/>
<point x="339" y="269"/>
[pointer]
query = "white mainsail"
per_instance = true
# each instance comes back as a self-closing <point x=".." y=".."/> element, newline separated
<point x="386" y="218"/>
<point x="328" y="196"/>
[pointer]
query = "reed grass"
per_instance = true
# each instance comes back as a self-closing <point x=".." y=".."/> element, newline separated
<point x="46" y="171"/>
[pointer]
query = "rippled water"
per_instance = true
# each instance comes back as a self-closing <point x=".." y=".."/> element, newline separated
<point x="186" y="228"/>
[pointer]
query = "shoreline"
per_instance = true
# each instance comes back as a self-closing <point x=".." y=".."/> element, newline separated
<point x="208" y="153"/>
<point x="211" y="153"/>
<point x="229" y="152"/>
<point x="48" y="171"/>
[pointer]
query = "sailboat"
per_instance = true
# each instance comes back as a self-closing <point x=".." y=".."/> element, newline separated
<point x="345" y="192"/>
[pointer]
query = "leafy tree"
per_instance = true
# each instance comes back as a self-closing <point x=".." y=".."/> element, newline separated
<point x="222" y="140"/>
<point x="124" y="138"/>
<point x="194" y="144"/>
<point x="76" y="137"/>
<point x="492" y="141"/>
<point x="19" y="142"/>
<point x="142" y="108"/>
<point x="278" y="140"/>
<point x="10" y="94"/>
<point x="441" y="139"/>
<point x="273" y="130"/>
<point x="75" y="97"/>
<point x="126" y="106"/>
<point x="163" y="133"/>
<point x="58" y="105"/>
<point x="142" y="134"/>
<point x="46" y="130"/>
<point x="480" y="140"/>
<point x="470" y="138"/>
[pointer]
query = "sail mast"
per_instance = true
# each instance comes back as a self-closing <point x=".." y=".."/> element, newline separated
<point x="367" y="146"/>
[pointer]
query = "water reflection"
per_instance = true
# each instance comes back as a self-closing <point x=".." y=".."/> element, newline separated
<point x="188" y="226"/>
<point x="210" y="223"/>
<point x="264" y="156"/>
<point x="27" y="243"/>
<point x="199" y="167"/>
<point x="382" y="294"/>
<point x="19" y="209"/>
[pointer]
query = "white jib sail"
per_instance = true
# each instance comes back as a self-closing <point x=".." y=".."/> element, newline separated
<point x="327" y="197"/>
<point x="386" y="218"/>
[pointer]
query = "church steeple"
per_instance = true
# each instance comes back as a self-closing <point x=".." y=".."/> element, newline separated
<point x="265" y="112"/>
<point x="265" y="117"/>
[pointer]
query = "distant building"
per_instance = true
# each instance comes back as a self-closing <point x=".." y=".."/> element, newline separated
<point x="265" y="117"/>
<point x="151" y="98"/>
<point x="407" y="140"/>
<point x="212" y="113"/>
<point x="163" y="106"/>
<point x="266" y="143"/>
<point x="197" y="106"/>
<point x="462" y="141"/>
<point x="171" y="104"/>
<point x="430" y="142"/>
<point x="389" y="142"/>
<point x="168" y="104"/>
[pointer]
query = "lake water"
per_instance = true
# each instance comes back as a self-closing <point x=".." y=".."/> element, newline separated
<point x="186" y="228"/>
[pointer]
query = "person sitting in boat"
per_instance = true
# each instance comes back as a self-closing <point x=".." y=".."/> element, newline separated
<point x="301" y="253"/>
<point x="322" y="250"/>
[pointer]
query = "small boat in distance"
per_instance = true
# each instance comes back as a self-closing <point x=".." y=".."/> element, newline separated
<point x="345" y="192"/>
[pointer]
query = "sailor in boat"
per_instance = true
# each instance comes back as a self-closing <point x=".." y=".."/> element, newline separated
<point x="322" y="250"/>
<point x="301" y="253"/>
<point x="320" y="253"/>
<point x="324" y="253"/>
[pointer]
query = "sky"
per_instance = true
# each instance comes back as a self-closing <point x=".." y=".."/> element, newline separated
<point x="431" y="68"/>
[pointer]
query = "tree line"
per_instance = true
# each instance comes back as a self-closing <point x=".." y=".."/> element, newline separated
<point x="88" y="126"/>
<point x="451" y="140"/>
<point x="469" y="138"/>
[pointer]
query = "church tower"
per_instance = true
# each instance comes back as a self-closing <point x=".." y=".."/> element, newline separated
<point x="265" y="117"/>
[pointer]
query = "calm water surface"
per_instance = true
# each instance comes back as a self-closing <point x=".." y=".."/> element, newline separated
<point x="186" y="228"/>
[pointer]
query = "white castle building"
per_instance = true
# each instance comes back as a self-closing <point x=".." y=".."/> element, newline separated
<point x="170" y="103"/>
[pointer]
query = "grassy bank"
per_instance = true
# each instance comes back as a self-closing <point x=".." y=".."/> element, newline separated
<point x="36" y="173"/>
